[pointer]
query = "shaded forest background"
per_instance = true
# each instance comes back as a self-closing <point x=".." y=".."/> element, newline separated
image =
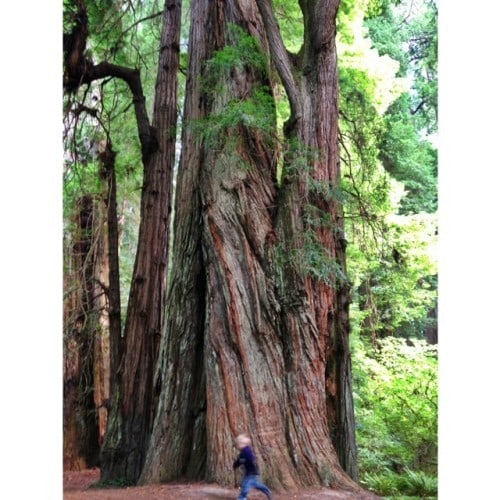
<point x="48" y="277"/>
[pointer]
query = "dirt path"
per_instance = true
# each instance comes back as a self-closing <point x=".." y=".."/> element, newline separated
<point x="77" y="486"/>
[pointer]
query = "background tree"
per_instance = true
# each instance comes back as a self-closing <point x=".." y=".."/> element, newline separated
<point x="128" y="434"/>
<point x="91" y="282"/>
<point x="395" y="277"/>
<point x="133" y="358"/>
<point x="390" y="184"/>
<point x="80" y="319"/>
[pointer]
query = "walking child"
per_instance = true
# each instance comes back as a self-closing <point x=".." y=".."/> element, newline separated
<point x="251" y="477"/>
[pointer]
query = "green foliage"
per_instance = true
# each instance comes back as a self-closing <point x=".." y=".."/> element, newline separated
<point x="407" y="485"/>
<point x="388" y="33"/>
<point x="311" y="259"/>
<point x="410" y="159"/>
<point x="388" y="167"/>
<point x="408" y="34"/>
<point x="361" y="124"/>
<point x="291" y="23"/>
<point x="241" y="53"/>
<point x="347" y="17"/>
<point x="419" y="484"/>
<point x="257" y="111"/>
<point x="299" y="158"/>
<point x="318" y="262"/>
<point x="395" y="393"/>
<point x="395" y="281"/>
<point x="368" y="85"/>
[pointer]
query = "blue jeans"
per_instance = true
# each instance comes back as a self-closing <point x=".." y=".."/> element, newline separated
<point x="250" y="482"/>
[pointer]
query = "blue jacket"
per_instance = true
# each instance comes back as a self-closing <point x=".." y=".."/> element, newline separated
<point x="248" y="460"/>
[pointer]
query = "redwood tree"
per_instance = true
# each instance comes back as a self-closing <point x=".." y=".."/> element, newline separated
<point x="311" y="219"/>
<point x="256" y="337"/>
<point x="134" y="355"/>
<point x="133" y="405"/>
<point x="81" y="447"/>
<point x="91" y="317"/>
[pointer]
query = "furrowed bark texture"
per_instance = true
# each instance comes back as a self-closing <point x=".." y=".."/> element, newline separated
<point x="226" y="194"/>
<point x="108" y="296"/>
<point x="112" y="248"/>
<point x="124" y="450"/>
<point x="252" y="354"/>
<point x="96" y="316"/>
<point x="309" y="195"/>
<point x="179" y="439"/>
<point x="80" y="320"/>
<point x="243" y="350"/>
<point x="102" y="374"/>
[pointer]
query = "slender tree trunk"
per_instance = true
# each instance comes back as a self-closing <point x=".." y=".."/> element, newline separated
<point x="108" y="299"/>
<point x="133" y="407"/>
<point x="80" y="426"/>
<point x="179" y="434"/>
<point x="108" y="174"/>
<point x="92" y="312"/>
<point x="244" y="351"/>
<point x="102" y="374"/>
<point x="431" y="330"/>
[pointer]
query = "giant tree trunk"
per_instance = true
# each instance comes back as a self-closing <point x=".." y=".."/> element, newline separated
<point x="310" y="224"/>
<point x="134" y="400"/>
<point x="244" y="351"/>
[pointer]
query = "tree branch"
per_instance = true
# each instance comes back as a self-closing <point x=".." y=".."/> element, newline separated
<point x="80" y="70"/>
<point x="132" y="78"/>
<point x="147" y="18"/>
<point x="280" y="56"/>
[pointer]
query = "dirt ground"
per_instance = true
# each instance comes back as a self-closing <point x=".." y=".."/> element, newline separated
<point x="77" y="486"/>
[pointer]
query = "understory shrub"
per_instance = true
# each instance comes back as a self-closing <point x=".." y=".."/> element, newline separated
<point x="395" y="394"/>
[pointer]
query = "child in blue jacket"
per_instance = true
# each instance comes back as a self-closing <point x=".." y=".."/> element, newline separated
<point x="251" y="477"/>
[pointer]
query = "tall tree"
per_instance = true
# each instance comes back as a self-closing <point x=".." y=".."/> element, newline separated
<point x="391" y="167"/>
<point x="134" y="355"/>
<point x="131" y="419"/>
<point x="81" y="316"/>
<point x="256" y="337"/>
<point x="311" y="222"/>
<point x="407" y="32"/>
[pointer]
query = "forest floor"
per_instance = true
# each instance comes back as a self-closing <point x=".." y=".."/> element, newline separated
<point x="78" y="486"/>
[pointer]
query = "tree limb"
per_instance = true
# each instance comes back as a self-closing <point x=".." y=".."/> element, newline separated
<point x="280" y="56"/>
<point x="79" y="70"/>
<point x="132" y="78"/>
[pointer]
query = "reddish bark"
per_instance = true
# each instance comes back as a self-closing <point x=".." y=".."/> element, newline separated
<point x="80" y="429"/>
<point x="311" y="83"/>
<point x="130" y="424"/>
<point x="252" y="355"/>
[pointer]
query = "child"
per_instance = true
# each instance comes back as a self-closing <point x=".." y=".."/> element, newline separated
<point x="251" y="477"/>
